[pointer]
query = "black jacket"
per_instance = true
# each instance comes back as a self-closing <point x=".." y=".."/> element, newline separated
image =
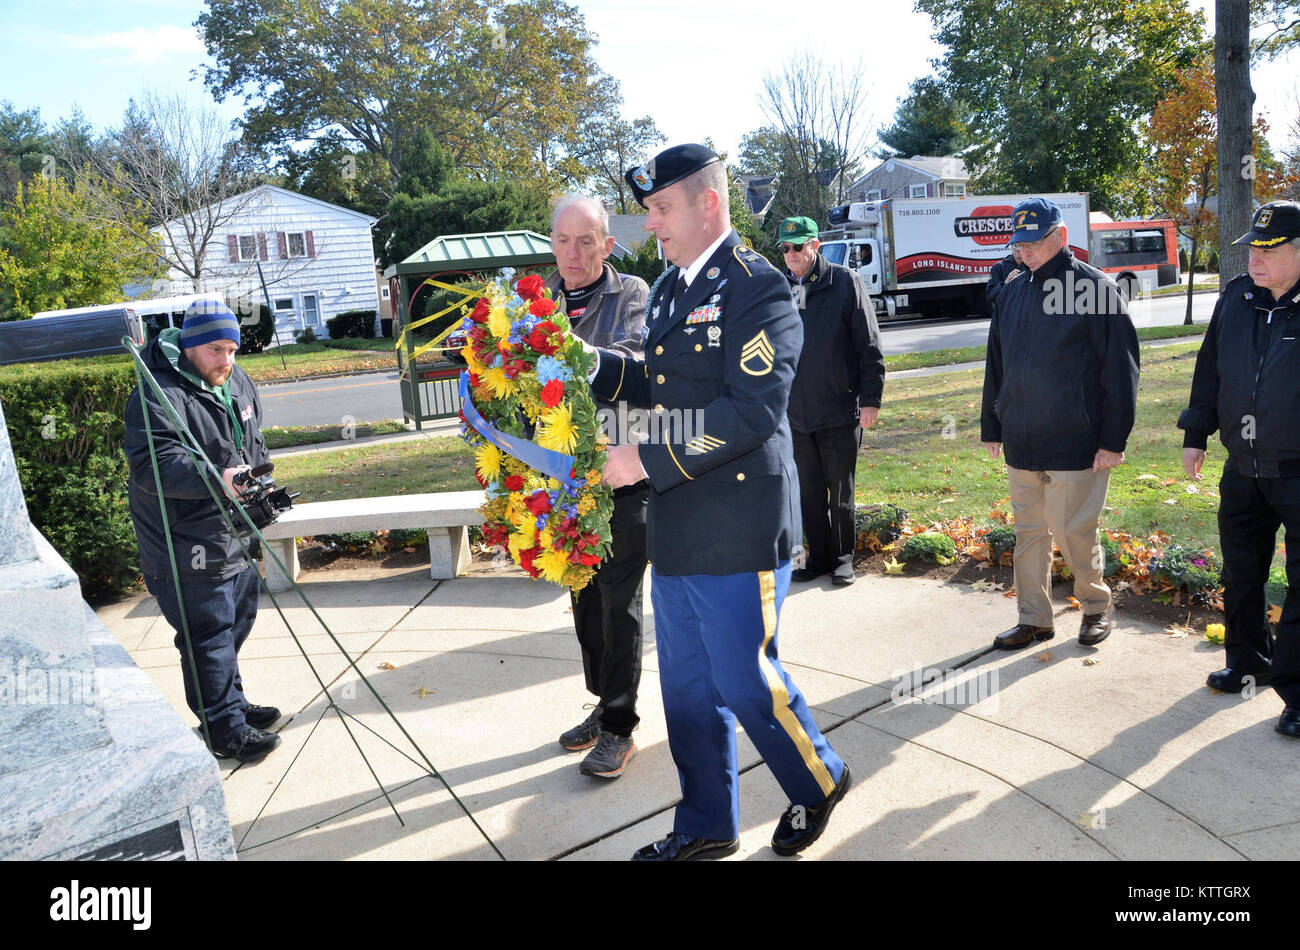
<point x="1061" y="372"/>
<point x="716" y="379"/>
<point x="998" y="277"/>
<point x="205" y="547"/>
<point x="1247" y="381"/>
<point x="841" y="366"/>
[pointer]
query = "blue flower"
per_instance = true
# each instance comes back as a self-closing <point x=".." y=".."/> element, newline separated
<point x="507" y="272"/>
<point x="549" y="368"/>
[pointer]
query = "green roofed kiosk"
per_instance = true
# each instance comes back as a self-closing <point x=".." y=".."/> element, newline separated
<point x="430" y="382"/>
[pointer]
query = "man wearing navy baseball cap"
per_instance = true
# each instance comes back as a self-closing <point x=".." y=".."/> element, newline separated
<point x="1247" y="386"/>
<point x="218" y="589"/>
<point x="1060" y="399"/>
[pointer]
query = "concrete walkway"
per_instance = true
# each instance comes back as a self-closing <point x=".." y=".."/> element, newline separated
<point x="1033" y="754"/>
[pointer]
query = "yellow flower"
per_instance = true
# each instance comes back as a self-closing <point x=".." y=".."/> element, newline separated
<point x="586" y="504"/>
<point x="553" y="484"/>
<point x="552" y="565"/>
<point x="558" y="431"/>
<point x="546" y="538"/>
<point x="1214" y="632"/>
<point x="488" y="462"/>
<point x="593" y="477"/>
<point x="499" y="322"/>
<point x="524" y="538"/>
<point x="471" y="362"/>
<point x="496" y="380"/>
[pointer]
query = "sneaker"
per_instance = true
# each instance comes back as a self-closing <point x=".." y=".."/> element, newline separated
<point x="260" y="717"/>
<point x="583" y="735"/>
<point x="249" y="746"/>
<point x="611" y="755"/>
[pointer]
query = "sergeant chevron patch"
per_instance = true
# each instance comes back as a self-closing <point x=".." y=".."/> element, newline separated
<point x="756" y="355"/>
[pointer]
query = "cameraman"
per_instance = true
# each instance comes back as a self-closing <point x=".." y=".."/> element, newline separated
<point x="195" y="368"/>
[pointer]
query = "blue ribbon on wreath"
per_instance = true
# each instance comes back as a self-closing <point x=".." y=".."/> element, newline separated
<point x="553" y="464"/>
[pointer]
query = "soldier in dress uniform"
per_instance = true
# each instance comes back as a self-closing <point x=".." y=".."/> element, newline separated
<point x="722" y="340"/>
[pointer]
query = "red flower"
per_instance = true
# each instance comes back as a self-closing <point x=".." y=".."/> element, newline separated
<point x="541" y="307"/>
<point x="539" y="503"/>
<point x="474" y="382"/>
<point x="530" y="287"/>
<point x="514" y="482"/>
<point x="477" y="334"/>
<point x="552" y="393"/>
<point x="479" y="478"/>
<point x="545" y="338"/>
<point x="480" y="312"/>
<point x="494" y="533"/>
<point x="526" y="559"/>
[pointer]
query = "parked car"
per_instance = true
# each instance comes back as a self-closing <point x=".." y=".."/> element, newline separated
<point x="90" y="331"/>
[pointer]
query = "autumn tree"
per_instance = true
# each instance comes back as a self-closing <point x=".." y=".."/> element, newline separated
<point x="1058" y="89"/>
<point x="505" y="87"/>
<point x="61" y="249"/>
<point x="816" y="128"/>
<point x="614" y="146"/>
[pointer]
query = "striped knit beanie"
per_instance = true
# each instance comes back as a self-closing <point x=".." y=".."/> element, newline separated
<point x="208" y="320"/>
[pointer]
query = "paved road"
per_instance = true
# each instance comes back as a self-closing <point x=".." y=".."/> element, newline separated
<point x="375" y="396"/>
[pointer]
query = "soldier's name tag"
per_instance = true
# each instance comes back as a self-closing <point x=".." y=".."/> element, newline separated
<point x="709" y="313"/>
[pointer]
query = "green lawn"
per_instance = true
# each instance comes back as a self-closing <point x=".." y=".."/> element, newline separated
<point x="317" y="359"/>
<point x="402" y="468"/>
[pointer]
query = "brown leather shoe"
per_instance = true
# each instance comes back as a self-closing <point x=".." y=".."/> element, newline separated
<point x="1094" y="629"/>
<point x="1022" y="635"/>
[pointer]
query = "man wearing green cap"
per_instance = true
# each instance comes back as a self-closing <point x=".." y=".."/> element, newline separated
<point x="218" y="589"/>
<point x="835" y="395"/>
<point x="1247" y="386"/>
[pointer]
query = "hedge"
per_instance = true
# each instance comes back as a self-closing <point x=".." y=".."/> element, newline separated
<point x="356" y="323"/>
<point x="65" y="425"/>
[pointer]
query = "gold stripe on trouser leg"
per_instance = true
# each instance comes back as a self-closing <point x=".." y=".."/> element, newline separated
<point x="780" y="698"/>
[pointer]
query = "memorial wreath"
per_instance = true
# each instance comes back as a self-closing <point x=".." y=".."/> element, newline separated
<point x="527" y="411"/>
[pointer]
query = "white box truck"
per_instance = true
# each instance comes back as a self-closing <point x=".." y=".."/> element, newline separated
<point x="932" y="255"/>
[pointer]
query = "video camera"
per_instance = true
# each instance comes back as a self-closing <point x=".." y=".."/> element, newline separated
<point x="261" y="498"/>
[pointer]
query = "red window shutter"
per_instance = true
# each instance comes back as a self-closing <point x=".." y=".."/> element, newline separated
<point x="282" y="243"/>
<point x="232" y="244"/>
<point x="311" y="244"/>
<point x="261" y="245"/>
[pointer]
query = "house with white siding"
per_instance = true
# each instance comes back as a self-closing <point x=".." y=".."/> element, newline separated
<point x="316" y="258"/>
<point x="921" y="176"/>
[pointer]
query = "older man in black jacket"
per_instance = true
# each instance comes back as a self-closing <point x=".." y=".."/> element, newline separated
<point x="835" y="395"/>
<point x="1060" y="396"/>
<point x="195" y="368"/>
<point x="1247" y="386"/>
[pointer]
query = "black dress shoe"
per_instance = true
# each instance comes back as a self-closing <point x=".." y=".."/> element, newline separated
<point x="249" y="746"/>
<point x="1289" y="723"/>
<point x="801" y="825"/>
<point x="1094" y="628"/>
<point x="1229" y="680"/>
<point x="259" y="717"/>
<point x="680" y="847"/>
<point x="805" y="574"/>
<point x="1022" y="635"/>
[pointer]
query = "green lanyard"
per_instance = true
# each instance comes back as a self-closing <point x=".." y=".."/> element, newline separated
<point x="223" y="394"/>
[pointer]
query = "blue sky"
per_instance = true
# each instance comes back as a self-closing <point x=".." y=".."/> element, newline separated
<point x="698" y="75"/>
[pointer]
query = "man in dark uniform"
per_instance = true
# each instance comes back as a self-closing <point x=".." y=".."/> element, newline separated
<point x="835" y="395"/>
<point x="999" y="273"/>
<point x="1247" y="386"/>
<point x="722" y="341"/>
<point x="605" y="308"/>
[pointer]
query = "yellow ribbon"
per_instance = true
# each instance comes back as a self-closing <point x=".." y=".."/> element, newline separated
<point x="422" y="348"/>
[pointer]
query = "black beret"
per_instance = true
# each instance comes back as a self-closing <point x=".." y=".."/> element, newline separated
<point x="667" y="168"/>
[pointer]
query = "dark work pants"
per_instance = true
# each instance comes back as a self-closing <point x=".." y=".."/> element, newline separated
<point x="221" y="614"/>
<point x="607" y="614"/>
<point x="1250" y="511"/>
<point x="826" y="460"/>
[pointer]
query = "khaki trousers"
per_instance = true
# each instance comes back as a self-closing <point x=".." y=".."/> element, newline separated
<point x="1065" y="506"/>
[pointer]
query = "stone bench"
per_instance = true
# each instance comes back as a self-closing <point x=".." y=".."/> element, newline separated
<point x="445" y="515"/>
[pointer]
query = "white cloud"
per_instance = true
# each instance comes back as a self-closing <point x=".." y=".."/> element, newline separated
<point x="143" y="45"/>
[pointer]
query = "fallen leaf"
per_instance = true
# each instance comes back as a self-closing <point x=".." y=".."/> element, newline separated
<point x="1074" y="604"/>
<point x="422" y="692"/>
<point x="1171" y="501"/>
<point x="894" y="566"/>
<point x="985" y="585"/>
<point x="1090" y="661"/>
<point x="1045" y="657"/>
<point x="1011" y="592"/>
<point x="1178" y="631"/>
<point x="1192" y="490"/>
<point x="1274" y="614"/>
<point x="944" y="561"/>
<point x="387" y="666"/>
<point x="1145" y="475"/>
<point x="1167" y="481"/>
